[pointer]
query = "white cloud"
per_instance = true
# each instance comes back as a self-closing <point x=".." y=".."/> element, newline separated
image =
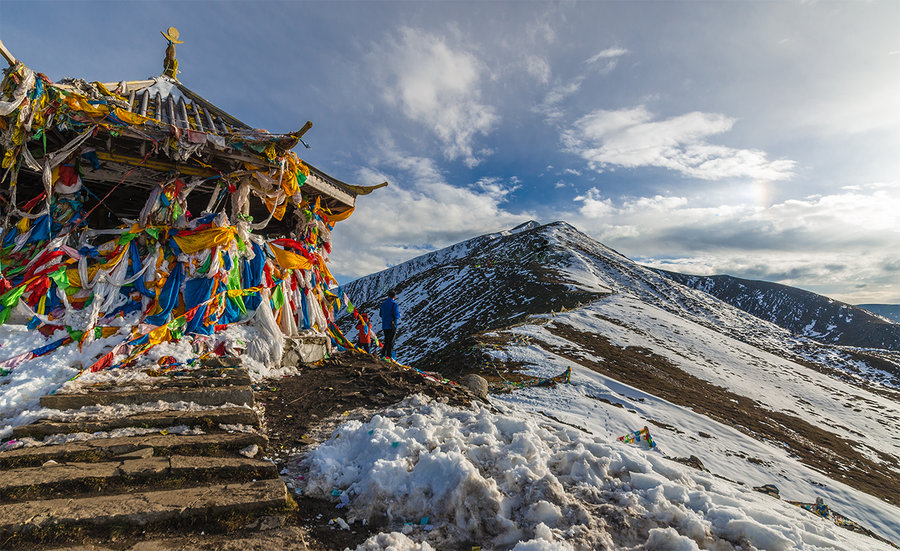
<point x="538" y="68"/>
<point x="610" y="55"/>
<point x="632" y="138"/>
<point x="866" y="217"/>
<point x="437" y="86"/>
<point x="822" y="243"/>
<point x="594" y="206"/>
<point x="542" y="30"/>
<point x="572" y="171"/>
<point x="550" y="107"/>
<point x="496" y="188"/>
<point x="418" y="212"/>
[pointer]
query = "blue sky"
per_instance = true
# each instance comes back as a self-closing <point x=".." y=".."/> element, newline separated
<point x="758" y="139"/>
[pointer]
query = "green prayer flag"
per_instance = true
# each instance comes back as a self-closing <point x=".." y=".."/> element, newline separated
<point x="176" y="327"/>
<point x="12" y="272"/>
<point x="206" y="264"/>
<point x="277" y="298"/>
<point x="177" y="323"/>
<point x="11" y="297"/>
<point x="126" y="238"/>
<point x="61" y="278"/>
<point x="234" y="282"/>
<point x="74" y="334"/>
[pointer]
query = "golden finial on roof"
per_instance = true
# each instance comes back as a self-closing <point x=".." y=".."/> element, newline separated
<point x="170" y="64"/>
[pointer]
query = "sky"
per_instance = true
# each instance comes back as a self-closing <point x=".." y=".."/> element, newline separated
<point x="756" y="139"/>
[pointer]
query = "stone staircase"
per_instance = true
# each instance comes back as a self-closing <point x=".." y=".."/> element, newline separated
<point x="149" y="471"/>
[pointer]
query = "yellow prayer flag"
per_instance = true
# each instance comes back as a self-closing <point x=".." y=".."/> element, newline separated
<point x="80" y="103"/>
<point x="158" y="335"/>
<point x="279" y="209"/>
<point x="131" y="118"/>
<point x="289" y="260"/>
<point x="340" y="217"/>
<point x="206" y="239"/>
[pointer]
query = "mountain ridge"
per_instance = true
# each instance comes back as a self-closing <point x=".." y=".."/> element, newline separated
<point x="890" y="312"/>
<point x="799" y="311"/>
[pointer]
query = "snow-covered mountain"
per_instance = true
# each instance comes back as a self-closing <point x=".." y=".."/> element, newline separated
<point x="496" y="280"/>
<point x="800" y="312"/>
<point x="746" y="400"/>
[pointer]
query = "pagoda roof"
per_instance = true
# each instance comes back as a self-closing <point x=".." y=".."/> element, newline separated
<point x="169" y="101"/>
<point x="160" y="125"/>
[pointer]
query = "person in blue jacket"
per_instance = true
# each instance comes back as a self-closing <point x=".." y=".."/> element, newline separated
<point x="390" y="313"/>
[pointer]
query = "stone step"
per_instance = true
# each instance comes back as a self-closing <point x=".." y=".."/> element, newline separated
<point x="70" y="479"/>
<point x="179" y="381"/>
<point x="206" y="419"/>
<point x="272" y="534"/>
<point x="233" y="371"/>
<point x="219" y="362"/>
<point x="237" y="395"/>
<point x="156" y="373"/>
<point x="49" y="519"/>
<point x="103" y="449"/>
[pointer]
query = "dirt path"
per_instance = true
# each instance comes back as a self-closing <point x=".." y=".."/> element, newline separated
<point x="303" y="410"/>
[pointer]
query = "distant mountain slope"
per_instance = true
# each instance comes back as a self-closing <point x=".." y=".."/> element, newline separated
<point x="800" y="312"/>
<point x="889" y="311"/>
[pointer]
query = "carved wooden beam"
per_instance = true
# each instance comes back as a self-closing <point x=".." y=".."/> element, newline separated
<point x="6" y="55"/>
<point x="163" y="166"/>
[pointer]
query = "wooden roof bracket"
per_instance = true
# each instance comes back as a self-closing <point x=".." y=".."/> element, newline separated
<point x="6" y="55"/>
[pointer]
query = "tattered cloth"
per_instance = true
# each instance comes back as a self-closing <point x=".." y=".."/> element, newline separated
<point x="642" y="435"/>
<point x="824" y="511"/>
<point x="176" y="273"/>
<point x="508" y="386"/>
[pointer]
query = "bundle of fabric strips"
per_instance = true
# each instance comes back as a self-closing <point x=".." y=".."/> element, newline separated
<point x="169" y="273"/>
<point x="637" y="436"/>
<point x="821" y="509"/>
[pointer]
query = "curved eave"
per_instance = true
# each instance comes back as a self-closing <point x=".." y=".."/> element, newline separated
<point x="327" y="188"/>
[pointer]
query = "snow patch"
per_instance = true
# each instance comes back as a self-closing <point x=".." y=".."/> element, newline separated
<point x="510" y="480"/>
